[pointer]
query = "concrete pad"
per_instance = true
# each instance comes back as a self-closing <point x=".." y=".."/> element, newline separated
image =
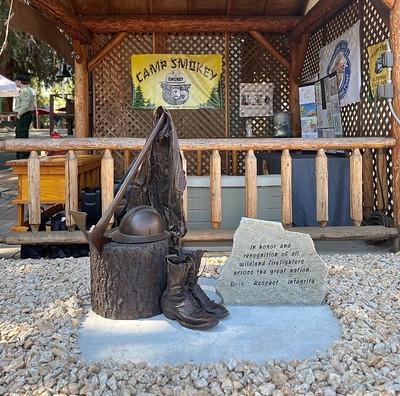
<point x="249" y="333"/>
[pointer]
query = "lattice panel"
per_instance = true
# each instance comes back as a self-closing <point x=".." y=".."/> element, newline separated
<point x="113" y="113"/>
<point x="328" y="33"/>
<point x="334" y="28"/>
<point x="202" y="123"/>
<point x="376" y="117"/>
<point x="376" y="114"/>
<point x="367" y="118"/>
<point x="342" y="21"/>
<point x="251" y="63"/>
<point x="311" y="61"/>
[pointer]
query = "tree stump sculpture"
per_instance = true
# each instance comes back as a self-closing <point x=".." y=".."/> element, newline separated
<point x="127" y="280"/>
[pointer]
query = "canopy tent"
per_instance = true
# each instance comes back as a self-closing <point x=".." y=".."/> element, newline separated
<point x="7" y="88"/>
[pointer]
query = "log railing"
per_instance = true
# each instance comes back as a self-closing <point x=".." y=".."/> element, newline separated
<point x="361" y="175"/>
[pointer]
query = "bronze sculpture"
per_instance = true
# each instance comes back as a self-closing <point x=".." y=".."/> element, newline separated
<point x="154" y="213"/>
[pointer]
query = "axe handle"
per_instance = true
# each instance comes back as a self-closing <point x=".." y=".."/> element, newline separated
<point x="97" y="233"/>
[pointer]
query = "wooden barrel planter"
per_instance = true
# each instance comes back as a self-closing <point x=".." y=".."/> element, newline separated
<point x="127" y="280"/>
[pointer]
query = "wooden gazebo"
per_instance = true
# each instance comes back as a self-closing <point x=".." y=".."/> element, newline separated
<point x="261" y="41"/>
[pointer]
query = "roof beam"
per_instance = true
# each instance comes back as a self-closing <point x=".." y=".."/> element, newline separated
<point x="193" y="23"/>
<point x="26" y="19"/>
<point x="106" y="49"/>
<point x="63" y="18"/>
<point x="389" y="4"/>
<point x="319" y="14"/>
<point x="270" y="48"/>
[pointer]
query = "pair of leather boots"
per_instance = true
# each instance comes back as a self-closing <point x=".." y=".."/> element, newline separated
<point x="184" y="300"/>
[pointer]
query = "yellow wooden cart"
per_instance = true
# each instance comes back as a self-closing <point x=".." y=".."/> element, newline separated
<point x="52" y="181"/>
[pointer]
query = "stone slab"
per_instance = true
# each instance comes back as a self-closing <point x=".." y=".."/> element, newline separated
<point x="270" y="265"/>
<point x="254" y="334"/>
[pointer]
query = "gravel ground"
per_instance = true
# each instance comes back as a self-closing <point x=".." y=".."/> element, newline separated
<point x="42" y="303"/>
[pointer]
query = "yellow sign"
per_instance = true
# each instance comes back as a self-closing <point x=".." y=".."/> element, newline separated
<point x="377" y="73"/>
<point x="176" y="81"/>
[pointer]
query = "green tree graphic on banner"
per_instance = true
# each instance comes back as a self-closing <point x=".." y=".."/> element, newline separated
<point x="138" y="98"/>
<point x="214" y="100"/>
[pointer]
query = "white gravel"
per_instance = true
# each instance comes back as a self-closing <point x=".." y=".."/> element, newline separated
<point x="42" y="302"/>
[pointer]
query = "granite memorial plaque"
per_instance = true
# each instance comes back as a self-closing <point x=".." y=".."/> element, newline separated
<point x="270" y="265"/>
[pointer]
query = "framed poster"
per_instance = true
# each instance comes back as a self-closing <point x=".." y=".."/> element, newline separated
<point x="256" y="99"/>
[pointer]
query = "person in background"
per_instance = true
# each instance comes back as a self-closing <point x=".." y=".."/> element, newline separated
<point x="25" y="103"/>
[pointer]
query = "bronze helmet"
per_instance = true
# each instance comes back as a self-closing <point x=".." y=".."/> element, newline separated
<point x="140" y="224"/>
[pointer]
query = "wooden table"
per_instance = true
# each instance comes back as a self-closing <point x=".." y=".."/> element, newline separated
<point x="52" y="179"/>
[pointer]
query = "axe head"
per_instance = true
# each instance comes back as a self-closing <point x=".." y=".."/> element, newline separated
<point x="94" y="236"/>
<point x="80" y="220"/>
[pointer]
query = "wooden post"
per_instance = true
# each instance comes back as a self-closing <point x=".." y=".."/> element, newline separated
<point x="356" y="211"/>
<point x="382" y="185"/>
<point x="81" y="100"/>
<point x="251" y="184"/>
<point x="34" y="191"/>
<point x="185" y="192"/>
<point x="294" y="105"/>
<point x="199" y="162"/>
<point x="215" y="189"/>
<point x="227" y="96"/>
<point x="51" y="114"/>
<point x="368" y="182"/>
<point x="234" y="163"/>
<point x="286" y="188"/>
<point x="127" y="159"/>
<point x="322" y="196"/>
<point x="107" y="182"/>
<point x="395" y="44"/>
<point x="226" y="85"/>
<point x="71" y="188"/>
<point x="298" y="50"/>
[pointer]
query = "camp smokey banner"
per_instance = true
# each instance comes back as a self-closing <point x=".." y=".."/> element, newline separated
<point x="176" y="81"/>
<point x="343" y="57"/>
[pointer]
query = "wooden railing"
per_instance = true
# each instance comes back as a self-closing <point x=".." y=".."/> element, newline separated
<point x="361" y="171"/>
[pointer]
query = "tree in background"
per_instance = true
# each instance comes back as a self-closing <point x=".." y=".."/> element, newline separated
<point x="25" y="54"/>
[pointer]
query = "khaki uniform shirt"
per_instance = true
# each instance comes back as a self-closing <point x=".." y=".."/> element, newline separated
<point x="25" y="101"/>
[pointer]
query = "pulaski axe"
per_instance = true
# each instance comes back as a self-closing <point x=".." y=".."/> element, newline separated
<point x="95" y="236"/>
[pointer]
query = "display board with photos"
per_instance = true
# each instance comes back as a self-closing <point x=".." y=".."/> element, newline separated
<point x="320" y="108"/>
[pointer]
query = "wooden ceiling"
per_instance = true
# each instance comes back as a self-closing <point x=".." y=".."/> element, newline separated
<point x="187" y="7"/>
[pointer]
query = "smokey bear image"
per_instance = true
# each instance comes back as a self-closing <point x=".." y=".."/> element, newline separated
<point x="175" y="90"/>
